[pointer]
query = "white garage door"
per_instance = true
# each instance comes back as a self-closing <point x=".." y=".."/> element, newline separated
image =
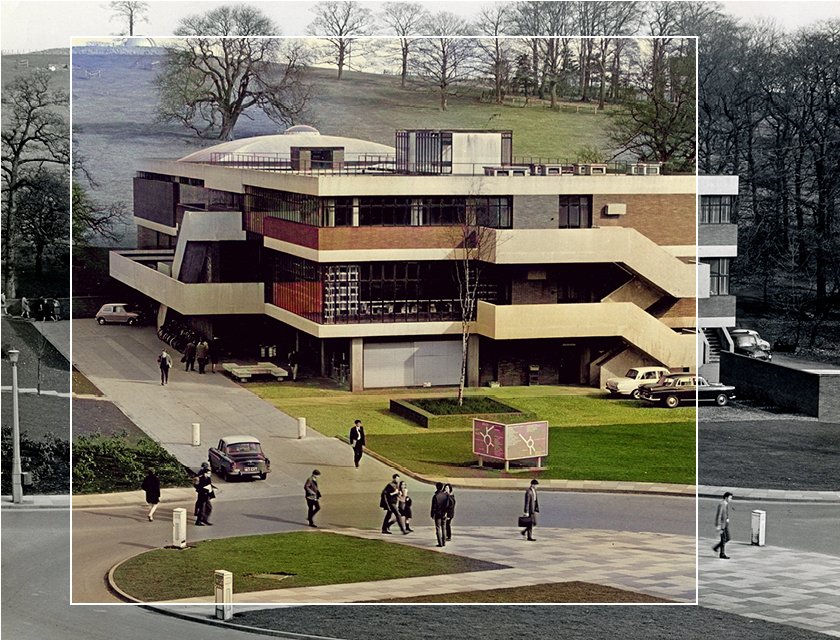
<point x="409" y="364"/>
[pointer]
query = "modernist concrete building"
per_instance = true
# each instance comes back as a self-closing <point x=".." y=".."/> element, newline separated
<point x="346" y="251"/>
<point x="717" y="247"/>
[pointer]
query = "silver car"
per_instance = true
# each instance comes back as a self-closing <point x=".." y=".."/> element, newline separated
<point x="117" y="313"/>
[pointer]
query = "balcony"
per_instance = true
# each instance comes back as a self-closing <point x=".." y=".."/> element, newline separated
<point x="188" y="299"/>
<point x="593" y="320"/>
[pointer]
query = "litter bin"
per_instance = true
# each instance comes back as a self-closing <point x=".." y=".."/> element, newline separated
<point x="758" y="522"/>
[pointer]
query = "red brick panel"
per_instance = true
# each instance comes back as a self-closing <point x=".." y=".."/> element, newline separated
<point x="301" y="234"/>
<point x="668" y="219"/>
<point x="389" y="237"/>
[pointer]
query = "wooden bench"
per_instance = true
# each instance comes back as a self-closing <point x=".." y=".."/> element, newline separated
<point x="244" y="372"/>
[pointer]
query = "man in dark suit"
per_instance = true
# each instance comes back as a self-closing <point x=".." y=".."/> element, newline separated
<point x="532" y="508"/>
<point x="440" y="513"/>
<point x="722" y="524"/>
<point x="313" y="495"/>
<point x="388" y="500"/>
<point x="357" y="441"/>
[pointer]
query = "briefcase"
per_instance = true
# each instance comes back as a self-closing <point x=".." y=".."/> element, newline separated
<point x="525" y="521"/>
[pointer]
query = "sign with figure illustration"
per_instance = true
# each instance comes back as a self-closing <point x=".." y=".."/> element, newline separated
<point x="506" y="442"/>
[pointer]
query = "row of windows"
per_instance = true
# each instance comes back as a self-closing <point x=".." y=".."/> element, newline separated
<point x="716" y="209"/>
<point x="718" y="276"/>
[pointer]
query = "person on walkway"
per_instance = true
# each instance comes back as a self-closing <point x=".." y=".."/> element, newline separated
<point x="313" y="495"/>
<point x="293" y="363"/>
<point x="25" y="311"/>
<point x="3" y="303"/>
<point x="357" y="441"/>
<point x="388" y="500"/>
<point x="450" y="510"/>
<point x="206" y="493"/>
<point x="165" y="363"/>
<point x="722" y="524"/>
<point x="189" y="356"/>
<point x="404" y="505"/>
<point x="56" y="310"/>
<point x="205" y="466"/>
<point x="440" y="508"/>
<point x="532" y="508"/>
<point x="202" y="351"/>
<point x="151" y="485"/>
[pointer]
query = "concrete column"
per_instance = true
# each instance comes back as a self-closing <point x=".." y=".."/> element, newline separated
<point x="357" y="364"/>
<point x="223" y="588"/>
<point x="472" y="361"/>
<point x="179" y="528"/>
<point x="196" y="434"/>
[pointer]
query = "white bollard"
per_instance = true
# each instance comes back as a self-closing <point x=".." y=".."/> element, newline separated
<point x="758" y="525"/>
<point x="179" y="528"/>
<point x="196" y="434"/>
<point x="223" y="583"/>
<point x="301" y="428"/>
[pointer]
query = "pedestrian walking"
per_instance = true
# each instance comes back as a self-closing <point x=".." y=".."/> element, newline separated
<point x="56" y="310"/>
<point x="151" y="485"/>
<point x="440" y="507"/>
<point x="3" y="302"/>
<point x="532" y="508"/>
<point x="202" y="351"/>
<point x="206" y="493"/>
<point x="357" y="441"/>
<point x="189" y="355"/>
<point x="450" y="510"/>
<point x="293" y="363"/>
<point x="313" y="496"/>
<point x="205" y="466"/>
<point x="388" y="500"/>
<point x="722" y="525"/>
<point x="165" y="363"/>
<point x="404" y="505"/>
<point x="25" y="311"/>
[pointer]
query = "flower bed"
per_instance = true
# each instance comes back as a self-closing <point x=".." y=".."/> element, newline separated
<point x="445" y="413"/>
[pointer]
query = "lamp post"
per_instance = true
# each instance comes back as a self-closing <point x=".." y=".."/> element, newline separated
<point x="17" y="485"/>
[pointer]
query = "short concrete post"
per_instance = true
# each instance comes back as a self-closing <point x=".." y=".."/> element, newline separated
<point x="179" y="528"/>
<point x="758" y="524"/>
<point x="196" y="434"/>
<point x="223" y="583"/>
<point x="301" y="428"/>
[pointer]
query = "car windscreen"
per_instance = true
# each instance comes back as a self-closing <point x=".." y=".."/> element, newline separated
<point x="244" y="447"/>
<point x="632" y="374"/>
<point x="745" y="341"/>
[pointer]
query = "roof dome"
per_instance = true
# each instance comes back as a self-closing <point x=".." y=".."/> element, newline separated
<point x="301" y="130"/>
<point x="272" y="146"/>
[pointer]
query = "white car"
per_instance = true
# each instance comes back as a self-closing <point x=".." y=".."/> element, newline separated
<point x="633" y="379"/>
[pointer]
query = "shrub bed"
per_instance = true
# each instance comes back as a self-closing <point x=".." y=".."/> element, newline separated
<point x="102" y="464"/>
<point x="47" y="458"/>
<point x="444" y="413"/>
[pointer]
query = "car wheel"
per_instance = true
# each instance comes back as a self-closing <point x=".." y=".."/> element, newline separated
<point x="672" y="402"/>
<point x="131" y="322"/>
<point x="722" y="400"/>
<point x="636" y="394"/>
<point x="263" y="476"/>
<point x="101" y="321"/>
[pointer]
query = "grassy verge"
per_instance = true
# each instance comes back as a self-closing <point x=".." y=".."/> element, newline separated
<point x="276" y="561"/>
<point x="591" y="437"/>
<point x="564" y="592"/>
<point x="83" y="386"/>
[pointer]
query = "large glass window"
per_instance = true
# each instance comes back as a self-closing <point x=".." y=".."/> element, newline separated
<point x="716" y="209"/>
<point x="575" y="212"/>
<point x="718" y="276"/>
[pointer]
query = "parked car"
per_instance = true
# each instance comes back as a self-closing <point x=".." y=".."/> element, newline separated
<point x="748" y="343"/>
<point x="633" y="379"/>
<point x="676" y="388"/>
<point x="238" y="457"/>
<point x="117" y="313"/>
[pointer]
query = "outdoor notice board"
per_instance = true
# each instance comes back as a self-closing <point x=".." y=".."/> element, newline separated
<point x="497" y="441"/>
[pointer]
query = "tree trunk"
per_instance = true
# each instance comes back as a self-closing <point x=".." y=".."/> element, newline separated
<point x="443" y="98"/>
<point x="341" y="53"/>
<point x="404" y="70"/>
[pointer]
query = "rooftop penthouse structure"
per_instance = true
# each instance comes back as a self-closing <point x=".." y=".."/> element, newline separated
<point x="346" y="251"/>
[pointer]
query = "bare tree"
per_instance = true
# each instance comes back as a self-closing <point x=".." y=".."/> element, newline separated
<point x="495" y="21"/>
<point x="444" y="60"/>
<point x="44" y="216"/>
<point x="405" y="19"/>
<point x="131" y="11"/>
<point x="35" y="136"/>
<point x="223" y="68"/>
<point x="339" y="22"/>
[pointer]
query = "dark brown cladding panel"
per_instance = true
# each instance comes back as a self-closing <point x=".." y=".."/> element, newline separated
<point x="155" y="200"/>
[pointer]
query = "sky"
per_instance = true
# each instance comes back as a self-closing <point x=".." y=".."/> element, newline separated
<point x="33" y="25"/>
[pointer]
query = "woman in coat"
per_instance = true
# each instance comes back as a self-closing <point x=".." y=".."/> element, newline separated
<point x="151" y="485"/>
<point x="404" y="505"/>
<point x="450" y="511"/>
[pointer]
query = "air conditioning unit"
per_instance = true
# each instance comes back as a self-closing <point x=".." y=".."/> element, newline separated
<point x="615" y="209"/>
<point x="552" y="169"/>
<point x="507" y="171"/>
<point x="582" y="169"/>
<point x="597" y="169"/>
<point x="645" y="169"/>
<point x="537" y="169"/>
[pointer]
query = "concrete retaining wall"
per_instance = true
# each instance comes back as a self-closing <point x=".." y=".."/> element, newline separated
<point x="814" y="394"/>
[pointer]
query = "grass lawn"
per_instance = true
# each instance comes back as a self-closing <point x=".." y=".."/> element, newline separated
<point x="283" y="560"/>
<point x="83" y="386"/>
<point x="591" y="437"/>
<point x="565" y="592"/>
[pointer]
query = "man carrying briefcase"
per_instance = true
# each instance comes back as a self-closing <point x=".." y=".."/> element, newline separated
<point x="532" y="508"/>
